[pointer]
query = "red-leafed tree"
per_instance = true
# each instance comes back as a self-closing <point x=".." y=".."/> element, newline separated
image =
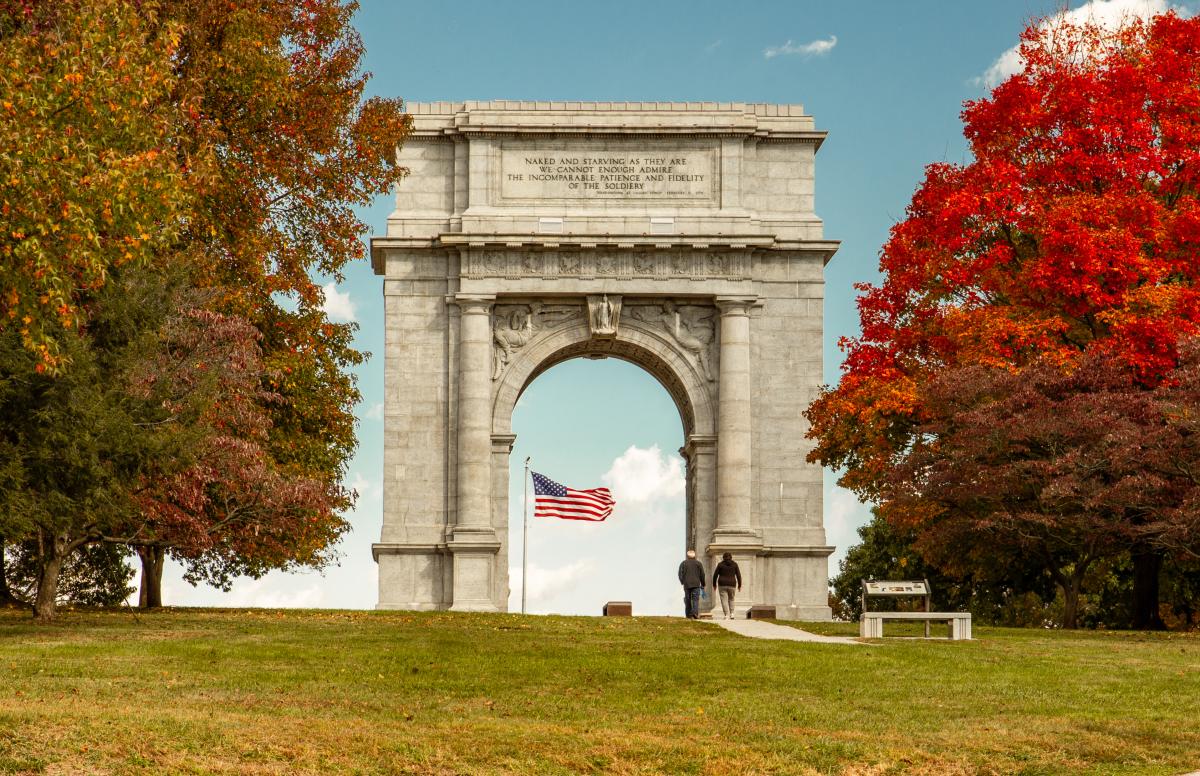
<point x="1074" y="230"/>
<point x="1067" y="467"/>
<point x="234" y="509"/>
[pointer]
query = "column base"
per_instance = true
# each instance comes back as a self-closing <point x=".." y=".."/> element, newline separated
<point x="804" y="612"/>
<point x="744" y="544"/>
<point x="735" y="539"/>
<point x="412" y="575"/>
<point x="473" y="549"/>
<point x="410" y="606"/>
<point x="474" y="606"/>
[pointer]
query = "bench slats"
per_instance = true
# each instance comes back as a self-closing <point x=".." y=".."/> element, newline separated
<point x="871" y="623"/>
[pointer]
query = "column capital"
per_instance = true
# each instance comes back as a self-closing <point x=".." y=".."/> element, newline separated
<point x="697" y="444"/>
<point x="503" y="442"/>
<point x="735" y="305"/>
<point x="475" y="304"/>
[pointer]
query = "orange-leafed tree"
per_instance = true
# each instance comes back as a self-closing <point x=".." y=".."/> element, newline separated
<point x="88" y="179"/>
<point x="1074" y="230"/>
<point x="281" y="146"/>
<point x="219" y="145"/>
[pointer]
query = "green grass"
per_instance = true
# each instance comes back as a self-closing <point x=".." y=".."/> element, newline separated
<point x="275" y="692"/>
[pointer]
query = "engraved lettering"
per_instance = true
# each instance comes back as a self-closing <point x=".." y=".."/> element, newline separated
<point x="683" y="175"/>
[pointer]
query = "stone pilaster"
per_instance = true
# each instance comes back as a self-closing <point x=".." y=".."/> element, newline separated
<point x="502" y="445"/>
<point x="700" y="453"/>
<point x="473" y="539"/>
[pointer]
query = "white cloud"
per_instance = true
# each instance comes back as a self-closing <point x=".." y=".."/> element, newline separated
<point x="844" y="515"/>
<point x="338" y="305"/>
<point x="546" y="584"/>
<point x="375" y="412"/>
<point x="363" y="487"/>
<point x="813" y="48"/>
<point x="258" y="592"/>
<point x="711" y="47"/>
<point x="639" y="476"/>
<point x="1107" y="14"/>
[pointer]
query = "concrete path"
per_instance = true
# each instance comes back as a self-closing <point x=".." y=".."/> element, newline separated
<point x="758" y="629"/>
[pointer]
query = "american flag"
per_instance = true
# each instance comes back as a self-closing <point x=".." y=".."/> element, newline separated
<point x="554" y="500"/>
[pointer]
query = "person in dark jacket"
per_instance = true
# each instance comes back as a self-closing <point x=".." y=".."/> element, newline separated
<point x="691" y="576"/>
<point x="727" y="578"/>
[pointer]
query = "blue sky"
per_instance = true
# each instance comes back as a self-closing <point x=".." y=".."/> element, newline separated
<point x="887" y="81"/>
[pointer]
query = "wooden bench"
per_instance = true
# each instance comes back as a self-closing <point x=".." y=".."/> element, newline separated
<point x="871" y="624"/>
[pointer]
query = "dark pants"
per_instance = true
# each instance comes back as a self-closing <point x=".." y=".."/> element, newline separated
<point x="691" y="602"/>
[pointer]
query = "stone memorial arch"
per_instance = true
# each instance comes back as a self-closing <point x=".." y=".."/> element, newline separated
<point x="678" y="236"/>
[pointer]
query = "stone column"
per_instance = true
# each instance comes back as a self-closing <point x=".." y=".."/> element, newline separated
<point x="734" y="416"/>
<point x="473" y="539"/>
<point x="735" y="530"/>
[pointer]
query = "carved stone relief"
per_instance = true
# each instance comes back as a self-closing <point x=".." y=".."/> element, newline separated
<point x="606" y="262"/>
<point x="692" y="327"/>
<point x="604" y="314"/>
<point x="568" y="264"/>
<point x="492" y="262"/>
<point x="515" y="325"/>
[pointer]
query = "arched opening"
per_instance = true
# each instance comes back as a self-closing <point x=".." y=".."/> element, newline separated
<point x="606" y="422"/>
<point x="680" y="459"/>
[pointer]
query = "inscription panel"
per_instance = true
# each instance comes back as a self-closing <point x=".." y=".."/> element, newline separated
<point x="630" y="172"/>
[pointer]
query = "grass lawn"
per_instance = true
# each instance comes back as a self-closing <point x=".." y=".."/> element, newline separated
<point x="272" y="692"/>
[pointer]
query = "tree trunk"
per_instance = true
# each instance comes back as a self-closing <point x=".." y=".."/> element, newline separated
<point x="1071" y="603"/>
<point x="1070" y="586"/>
<point x="152" y="558"/>
<point x="1147" y="567"/>
<point x="53" y="552"/>
<point x="6" y="595"/>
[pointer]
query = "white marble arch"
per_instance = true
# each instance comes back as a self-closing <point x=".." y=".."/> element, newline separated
<point x="495" y="269"/>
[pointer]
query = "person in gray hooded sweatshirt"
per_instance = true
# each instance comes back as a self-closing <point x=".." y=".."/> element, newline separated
<point x="691" y="576"/>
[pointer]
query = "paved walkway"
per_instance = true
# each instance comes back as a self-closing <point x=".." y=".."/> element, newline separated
<point x="758" y="629"/>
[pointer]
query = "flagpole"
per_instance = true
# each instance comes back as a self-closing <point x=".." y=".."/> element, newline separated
<point x="525" y="541"/>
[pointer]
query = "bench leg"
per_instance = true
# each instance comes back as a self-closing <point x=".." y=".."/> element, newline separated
<point x="870" y="628"/>
<point x="960" y="629"/>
